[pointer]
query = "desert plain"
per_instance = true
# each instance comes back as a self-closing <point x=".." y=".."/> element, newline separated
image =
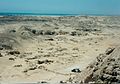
<point x="59" y="50"/>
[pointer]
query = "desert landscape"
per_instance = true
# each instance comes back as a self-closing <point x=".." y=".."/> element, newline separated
<point x="59" y="49"/>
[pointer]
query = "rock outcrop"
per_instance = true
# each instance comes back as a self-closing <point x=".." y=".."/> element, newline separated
<point x="105" y="70"/>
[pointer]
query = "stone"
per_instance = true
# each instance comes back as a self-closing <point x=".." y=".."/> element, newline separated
<point x="114" y="73"/>
<point x="43" y="82"/>
<point x="13" y="52"/>
<point x="49" y="32"/>
<point x="12" y="59"/>
<point x="105" y="77"/>
<point x="109" y="51"/>
<point x="44" y="62"/>
<point x="12" y="31"/>
<point x="118" y="72"/>
<point x="110" y="59"/>
<point x="74" y="33"/>
<point x="62" y="82"/>
<point x="18" y="65"/>
<point x="1" y="55"/>
<point x="76" y="70"/>
<point x="34" y="31"/>
<point x="49" y="39"/>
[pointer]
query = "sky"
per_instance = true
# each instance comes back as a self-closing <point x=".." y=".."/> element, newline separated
<point x="61" y="6"/>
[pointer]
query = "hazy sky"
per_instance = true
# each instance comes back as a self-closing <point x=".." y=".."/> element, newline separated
<point x="62" y="6"/>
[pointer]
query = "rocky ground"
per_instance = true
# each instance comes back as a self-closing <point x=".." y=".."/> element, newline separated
<point x="55" y="50"/>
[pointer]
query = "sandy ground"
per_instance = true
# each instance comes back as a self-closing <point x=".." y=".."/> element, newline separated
<point x="35" y="49"/>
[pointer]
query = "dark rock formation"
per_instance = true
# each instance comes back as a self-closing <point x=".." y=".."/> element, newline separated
<point x="76" y="70"/>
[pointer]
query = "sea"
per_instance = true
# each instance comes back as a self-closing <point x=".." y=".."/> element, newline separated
<point x="35" y="14"/>
<point x="42" y="14"/>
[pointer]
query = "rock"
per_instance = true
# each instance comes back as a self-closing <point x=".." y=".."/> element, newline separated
<point x="40" y="32"/>
<point x="118" y="78"/>
<point x="34" y="31"/>
<point x="1" y="48"/>
<point x="40" y="62"/>
<point x="74" y="33"/>
<point x="113" y="79"/>
<point x="25" y="71"/>
<point x="109" y="70"/>
<point x="61" y="32"/>
<point x="95" y="69"/>
<point x="44" y="62"/>
<point x="118" y="72"/>
<point x="119" y="58"/>
<point x="41" y="67"/>
<point x="32" y="57"/>
<point x="1" y="55"/>
<point x="49" y="39"/>
<point x="76" y="70"/>
<point x="114" y="73"/>
<point x="26" y="35"/>
<point x="12" y="31"/>
<point x="109" y="51"/>
<point x="5" y="46"/>
<point x="110" y="59"/>
<point x="88" y="78"/>
<point x="116" y="66"/>
<point x="105" y="77"/>
<point x="13" y="52"/>
<point x="43" y="82"/>
<point x="12" y="59"/>
<point x="18" y="65"/>
<point x="49" y="32"/>
<point x="63" y="82"/>
<point x="32" y="67"/>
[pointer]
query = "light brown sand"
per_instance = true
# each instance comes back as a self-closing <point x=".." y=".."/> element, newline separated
<point x="64" y="50"/>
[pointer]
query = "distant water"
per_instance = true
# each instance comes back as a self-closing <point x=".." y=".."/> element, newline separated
<point x="39" y="14"/>
<point x="34" y="14"/>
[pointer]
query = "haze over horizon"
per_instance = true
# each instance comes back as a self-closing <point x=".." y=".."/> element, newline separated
<point x="106" y="7"/>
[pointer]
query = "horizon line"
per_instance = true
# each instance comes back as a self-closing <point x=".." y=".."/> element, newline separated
<point x="79" y="14"/>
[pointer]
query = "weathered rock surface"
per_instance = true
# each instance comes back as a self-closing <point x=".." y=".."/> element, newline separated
<point x="105" y="70"/>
